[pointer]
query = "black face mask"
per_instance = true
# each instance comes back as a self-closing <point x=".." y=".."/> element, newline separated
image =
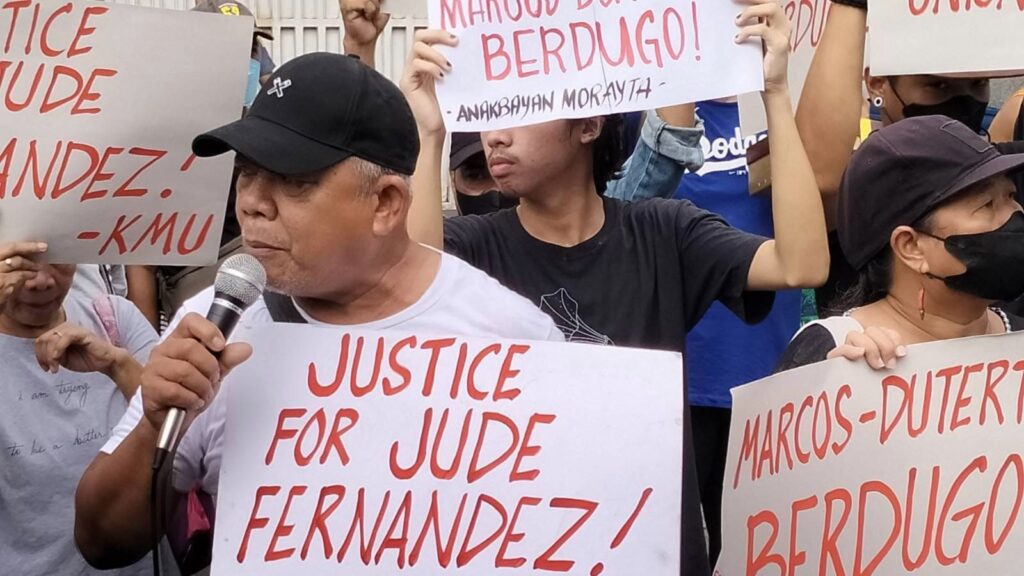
<point x="994" y="261"/>
<point x="964" y="109"/>
<point x="486" y="203"/>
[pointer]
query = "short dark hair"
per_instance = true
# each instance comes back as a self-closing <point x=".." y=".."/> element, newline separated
<point x="610" y="151"/>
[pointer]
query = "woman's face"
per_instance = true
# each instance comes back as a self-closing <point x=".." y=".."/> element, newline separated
<point x="982" y="208"/>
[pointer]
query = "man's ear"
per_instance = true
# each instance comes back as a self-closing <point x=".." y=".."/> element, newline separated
<point x="393" y="198"/>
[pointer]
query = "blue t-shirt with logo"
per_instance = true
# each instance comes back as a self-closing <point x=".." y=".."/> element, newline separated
<point x="722" y="352"/>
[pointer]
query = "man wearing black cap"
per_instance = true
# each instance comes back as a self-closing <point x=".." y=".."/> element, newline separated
<point x="325" y="156"/>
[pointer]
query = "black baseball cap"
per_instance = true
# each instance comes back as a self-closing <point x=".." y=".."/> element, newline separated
<point x="905" y="170"/>
<point x="230" y="8"/>
<point x="316" y="111"/>
<point x="465" y="145"/>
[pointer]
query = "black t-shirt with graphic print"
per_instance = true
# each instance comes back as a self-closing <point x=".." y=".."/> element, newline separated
<point x="643" y="280"/>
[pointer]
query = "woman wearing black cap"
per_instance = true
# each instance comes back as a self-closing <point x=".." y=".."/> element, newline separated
<point x="830" y="112"/>
<point x="929" y="218"/>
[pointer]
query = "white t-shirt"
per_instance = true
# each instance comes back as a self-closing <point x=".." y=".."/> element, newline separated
<point x="462" y="301"/>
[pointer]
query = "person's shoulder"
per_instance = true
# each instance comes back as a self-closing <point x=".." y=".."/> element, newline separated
<point x="815" y="340"/>
<point x="663" y="219"/>
<point x="1016" y="322"/>
<point x="474" y="283"/>
<point x="462" y="233"/>
<point x="110" y="312"/>
<point x="505" y="313"/>
<point x="476" y="236"/>
<point x="134" y="330"/>
<point x="480" y="222"/>
<point x="496" y="218"/>
<point x="82" y="309"/>
<point x="668" y="209"/>
<point x="126" y="309"/>
<point x="78" y="306"/>
<point x="837" y="327"/>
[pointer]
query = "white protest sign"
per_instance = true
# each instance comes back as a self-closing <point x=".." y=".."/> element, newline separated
<point x="837" y="469"/>
<point x="946" y="37"/>
<point x="807" y="19"/>
<point x="99" y="104"/>
<point x="521" y="62"/>
<point x="361" y="453"/>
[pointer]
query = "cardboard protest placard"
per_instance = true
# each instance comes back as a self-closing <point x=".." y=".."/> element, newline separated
<point x="835" y="468"/>
<point x="946" y="37"/>
<point x="363" y="453"/>
<point x="807" y="19"/>
<point x="99" y="103"/>
<point x="521" y="62"/>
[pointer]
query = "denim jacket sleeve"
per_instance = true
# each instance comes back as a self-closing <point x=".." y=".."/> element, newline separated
<point x="662" y="155"/>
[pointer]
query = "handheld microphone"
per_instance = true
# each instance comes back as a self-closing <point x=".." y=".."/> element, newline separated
<point x="240" y="282"/>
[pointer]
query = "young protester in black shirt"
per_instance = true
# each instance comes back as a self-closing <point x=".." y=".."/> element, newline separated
<point x="928" y="217"/>
<point x="609" y="272"/>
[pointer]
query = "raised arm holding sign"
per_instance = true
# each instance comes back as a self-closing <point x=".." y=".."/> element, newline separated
<point x="830" y="106"/>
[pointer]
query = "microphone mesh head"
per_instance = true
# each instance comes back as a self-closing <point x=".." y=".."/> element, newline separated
<point x="241" y="277"/>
